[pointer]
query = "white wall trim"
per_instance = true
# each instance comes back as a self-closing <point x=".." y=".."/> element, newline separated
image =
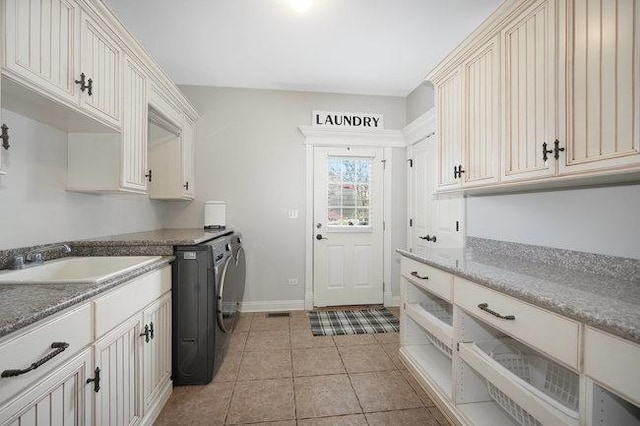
<point x="309" y="230"/>
<point x="316" y="136"/>
<point x="420" y="128"/>
<point x="387" y="212"/>
<point x="387" y="139"/>
<point x="273" y="305"/>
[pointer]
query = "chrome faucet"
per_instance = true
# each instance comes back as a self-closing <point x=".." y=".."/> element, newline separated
<point x="35" y="257"/>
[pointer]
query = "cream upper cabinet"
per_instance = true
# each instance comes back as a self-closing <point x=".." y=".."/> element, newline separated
<point x="529" y="102"/>
<point x="101" y="65"/>
<point x="134" y="128"/>
<point x="41" y="45"/>
<point x="481" y="147"/>
<point x="602" y="85"/>
<point x="188" y="159"/>
<point x="449" y="120"/>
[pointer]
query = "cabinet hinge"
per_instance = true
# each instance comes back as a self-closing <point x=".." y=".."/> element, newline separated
<point x="384" y="164"/>
<point x="457" y="226"/>
<point x="458" y="346"/>
<point x="410" y="160"/>
<point x="384" y="226"/>
<point x="410" y="222"/>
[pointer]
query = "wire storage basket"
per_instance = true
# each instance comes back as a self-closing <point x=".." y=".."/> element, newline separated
<point x="555" y="381"/>
<point x="439" y="344"/>
<point x="440" y="309"/>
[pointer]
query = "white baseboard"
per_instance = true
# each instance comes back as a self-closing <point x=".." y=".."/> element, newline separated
<point x="273" y="305"/>
<point x="391" y="300"/>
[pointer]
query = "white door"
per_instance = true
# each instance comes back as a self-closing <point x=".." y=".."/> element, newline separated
<point x="348" y="221"/>
<point x="419" y="198"/>
<point x="436" y="220"/>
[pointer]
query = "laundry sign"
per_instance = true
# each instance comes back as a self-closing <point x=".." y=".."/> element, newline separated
<point x="351" y="120"/>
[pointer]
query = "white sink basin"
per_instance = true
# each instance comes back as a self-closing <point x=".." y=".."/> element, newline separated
<point x="76" y="270"/>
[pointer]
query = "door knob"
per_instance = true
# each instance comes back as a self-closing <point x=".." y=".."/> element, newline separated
<point x="320" y="237"/>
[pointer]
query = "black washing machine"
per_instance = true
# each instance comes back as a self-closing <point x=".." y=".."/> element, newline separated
<point x="205" y="305"/>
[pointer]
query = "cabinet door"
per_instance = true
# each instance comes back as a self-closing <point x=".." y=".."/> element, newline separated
<point x="603" y="85"/>
<point x="529" y="95"/>
<point x="481" y="126"/>
<point x="188" y="169"/>
<point x="118" y="357"/>
<point x="449" y="107"/>
<point x="41" y="45"/>
<point x="61" y="398"/>
<point x="157" y="351"/>
<point x="100" y="61"/>
<point x="134" y="128"/>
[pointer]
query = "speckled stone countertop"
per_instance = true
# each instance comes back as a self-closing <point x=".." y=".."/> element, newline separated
<point x="160" y="237"/>
<point x="599" y="300"/>
<point x="24" y="304"/>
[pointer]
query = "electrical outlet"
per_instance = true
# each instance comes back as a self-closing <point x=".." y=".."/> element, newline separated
<point x="293" y="214"/>
<point x="292" y="282"/>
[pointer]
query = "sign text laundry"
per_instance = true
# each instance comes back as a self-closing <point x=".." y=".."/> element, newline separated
<point x="358" y="120"/>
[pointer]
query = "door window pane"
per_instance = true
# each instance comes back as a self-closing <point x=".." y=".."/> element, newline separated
<point x="349" y="191"/>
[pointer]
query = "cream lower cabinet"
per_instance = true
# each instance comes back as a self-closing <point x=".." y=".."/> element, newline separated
<point x="121" y="378"/>
<point x="489" y="359"/>
<point x="134" y="352"/>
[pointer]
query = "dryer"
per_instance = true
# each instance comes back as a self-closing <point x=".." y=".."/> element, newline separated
<point x="204" y="310"/>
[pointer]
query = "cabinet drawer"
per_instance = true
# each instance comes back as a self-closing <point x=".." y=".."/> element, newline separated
<point x="545" y="331"/>
<point x="19" y="352"/>
<point x="613" y="362"/>
<point x="121" y="303"/>
<point x="434" y="280"/>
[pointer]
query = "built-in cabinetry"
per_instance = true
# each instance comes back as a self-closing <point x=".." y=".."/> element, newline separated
<point x="434" y="221"/>
<point x="543" y="91"/>
<point x="71" y="64"/>
<point x="490" y="359"/>
<point x="171" y="154"/>
<point x="105" y="362"/>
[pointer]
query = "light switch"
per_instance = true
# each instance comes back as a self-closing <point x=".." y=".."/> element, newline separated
<point x="293" y="214"/>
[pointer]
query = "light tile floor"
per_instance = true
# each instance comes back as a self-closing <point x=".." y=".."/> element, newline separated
<point x="278" y="373"/>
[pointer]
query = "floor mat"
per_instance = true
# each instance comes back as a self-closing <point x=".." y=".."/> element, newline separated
<point x="332" y="323"/>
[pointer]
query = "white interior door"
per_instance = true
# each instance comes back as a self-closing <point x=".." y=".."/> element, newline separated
<point x="437" y="220"/>
<point x="348" y="220"/>
<point x="420" y="189"/>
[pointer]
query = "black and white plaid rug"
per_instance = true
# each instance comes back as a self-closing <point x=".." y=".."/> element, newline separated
<point x="331" y="323"/>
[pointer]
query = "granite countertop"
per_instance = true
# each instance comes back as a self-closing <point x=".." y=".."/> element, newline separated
<point x="160" y="237"/>
<point x="24" y="304"/>
<point x="599" y="300"/>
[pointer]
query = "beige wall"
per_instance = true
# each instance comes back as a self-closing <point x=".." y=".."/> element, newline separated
<point x="250" y="154"/>
<point x="419" y="101"/>
<point x="36" y="209"/>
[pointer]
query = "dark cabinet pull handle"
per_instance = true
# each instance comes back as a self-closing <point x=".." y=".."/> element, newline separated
<point x="5" y="136"/>
<point x="415" y="274"/>
<point x="151" y="330"/>
<point x="95" y="380"/>
<point x="457" y="171"/>
<point x="186" y="186"/>
<point x="545" y="151"/>
<point x="83" y="84"/>
<point x="429" y="238"/>
<point x="149" y="175"/>
<point x="557" y="150"/>
<point x="145" y="334"/>
<point x="485" y="307"/>
<point x="59" y="348"/>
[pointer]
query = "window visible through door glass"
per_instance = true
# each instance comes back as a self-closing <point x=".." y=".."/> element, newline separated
<point x="349" y="191"/>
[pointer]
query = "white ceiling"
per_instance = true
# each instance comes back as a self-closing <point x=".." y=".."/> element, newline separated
<point x="376" y="47"/>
